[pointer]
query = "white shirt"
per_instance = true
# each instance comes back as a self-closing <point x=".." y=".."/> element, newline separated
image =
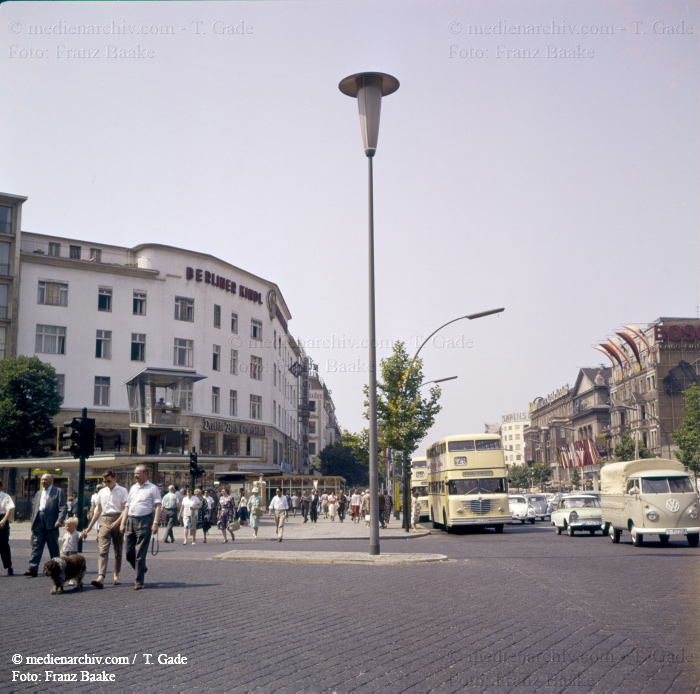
<point x="355" y="500"/>
<point x="279" y="503"/>
<point x="242" y="502"/>
<point x="295" y="501"/>
<point x="111" y="500"/>
<point x="6" y="503"/>
<point x="70" y="542"/>
<point x="211" y="502"/>
<point x="143" y="500"/>
<point x="44" y="498"/>
<point x="189" y="506"/>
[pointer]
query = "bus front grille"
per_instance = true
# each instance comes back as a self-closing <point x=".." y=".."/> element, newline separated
<point x="479" y="507"/>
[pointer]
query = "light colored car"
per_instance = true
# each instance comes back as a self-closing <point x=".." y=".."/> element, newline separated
<point x="520" y="508"/>
<point x="539" y="503"/>
<point x="577" y="512"/>
<point x="553" y="502"/>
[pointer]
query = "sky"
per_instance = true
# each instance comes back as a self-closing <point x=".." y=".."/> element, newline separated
<point x="538" y="156"/>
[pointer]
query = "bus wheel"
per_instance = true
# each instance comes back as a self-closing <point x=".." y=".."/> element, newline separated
<point x="498" y="528"/>
<point x="448" y="528"/>
<point x="614" y="534"/>
<point x="637" y="538"/>
<point x="663" y="539"/>
<point x="432" y="515"/>
<point x="693" y="539"/>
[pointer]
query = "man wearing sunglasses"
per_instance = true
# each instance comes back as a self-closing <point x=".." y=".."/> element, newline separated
<point x="109" y="503"/>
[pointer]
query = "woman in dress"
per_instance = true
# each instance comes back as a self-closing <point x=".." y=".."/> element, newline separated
<point x="255" y="502"/>
<point x="227" y="512"/>
<point x="415" y="511"/>
<point x="332" y="506"/>
<point x="203" y="520"/>
<point x="243" y="508"/>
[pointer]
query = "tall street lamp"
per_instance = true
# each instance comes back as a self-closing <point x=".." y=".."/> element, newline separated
<point x="369" y="88"/>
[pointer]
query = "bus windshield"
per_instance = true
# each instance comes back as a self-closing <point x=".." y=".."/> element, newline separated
<point x="491" y="485"/>
<point x="456" y="446"/>
<point x="664" y="485"/>
<point x="419" y="463"/>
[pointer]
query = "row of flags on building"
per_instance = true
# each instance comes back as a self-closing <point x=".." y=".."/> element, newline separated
<point x="615" y="348"/>
<point x="579" y="454"/>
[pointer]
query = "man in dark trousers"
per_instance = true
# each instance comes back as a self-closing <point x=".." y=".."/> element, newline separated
<point x="7" y="514"/>
<point x="48" y="513"/>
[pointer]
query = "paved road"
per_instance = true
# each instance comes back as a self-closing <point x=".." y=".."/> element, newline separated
<point x="525" y="611"/>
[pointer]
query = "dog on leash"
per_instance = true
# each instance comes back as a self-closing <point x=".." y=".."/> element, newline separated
<point x="62" y="569"/>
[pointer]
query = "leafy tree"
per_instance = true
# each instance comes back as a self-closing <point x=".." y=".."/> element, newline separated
<point x="28" y="401"/>
<point x="338" y="458"/>
<point x="624" y="450"/>
<point x="406" y="416"/>
<point x="687" y="436"/>
<point x="519" y="476"/>
<point x="575" y="477"/>
<point x="540" y="473"/>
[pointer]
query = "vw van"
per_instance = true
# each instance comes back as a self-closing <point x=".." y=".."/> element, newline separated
<point x="649" y="497"/>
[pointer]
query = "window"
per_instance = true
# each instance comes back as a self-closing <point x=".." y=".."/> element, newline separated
<point x="216" y="358"/>
<point x="101" y="390"/>
<point x="183" y="352"/>
<point x="256" y="364"/>
<point x="5" y="219"/>
<point x="75" y="252"/>
<point x="234" y="322"/>
<point x="3" y="340"/>
<point x="54" y="249"/>
<point x="312" y="449"/>
<point x="233" y="364"/>
<point x="256" y="329"/>
<point x="215" y="392"/>
<point x="233" y="403"/>
<point x="4" y="259"/>
<point x="184" y="308"/>
<point x="50" y="339"/>
<point x="312" y="427"/>
<point x="103" y="344"/>
<point x="138" y="347"/>
<point x="53" y="293"/>
<point x="139" y="303"/>
<point x="184" y="397"/>
<point x="4" y="290"/>
<point x="61" y="384"/>
<point x="256" y="407"/>
<point x="104" y="299"/>
<point x="217" y="316"/>
<point x="312" y="405"/>
<point x="96" y="255"/>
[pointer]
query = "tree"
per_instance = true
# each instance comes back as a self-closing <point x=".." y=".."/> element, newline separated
<point x="575" y="477"/>
<point x="339" y="459"/>
<point x="687" y="436"/>
<point x="28" y="401"/>
<point x="540" y="473"/>
<point x="625" y="450"/>
<point x="519" y="476"/>
<point x="406" y="416"/>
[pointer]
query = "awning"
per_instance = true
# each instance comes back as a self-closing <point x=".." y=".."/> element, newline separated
<point x="164" y="378"/>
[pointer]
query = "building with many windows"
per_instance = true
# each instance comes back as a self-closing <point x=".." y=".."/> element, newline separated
<point x="170" y="350"/>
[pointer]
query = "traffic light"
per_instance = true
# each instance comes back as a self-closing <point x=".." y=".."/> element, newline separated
<point x="195" y="470"/>
<point x="80" y="442"/>
<point x="407" y="467"/>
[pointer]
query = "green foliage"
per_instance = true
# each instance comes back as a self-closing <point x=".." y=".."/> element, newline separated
<point x="519" y="476"/>
<point x="624" y="450"/>
<point x="406" y="416"/>
<point x="28" y="401"/>
<point x="687" y="436"/>
<point x="575" y="477"/>
<point x="339" y="458"/>
<point x="540" y="473"/>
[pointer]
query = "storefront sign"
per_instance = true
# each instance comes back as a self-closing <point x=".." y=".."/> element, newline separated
<point x="232" y="427"/>
<point x="515" y="417"/>
<point x="676" y="333"/>
<point x="227" y="285"/>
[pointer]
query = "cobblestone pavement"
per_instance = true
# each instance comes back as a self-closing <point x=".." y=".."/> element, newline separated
<point x="524" y="611"/>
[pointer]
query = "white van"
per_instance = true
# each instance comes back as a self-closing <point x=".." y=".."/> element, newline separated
<point x="649" y="497"/>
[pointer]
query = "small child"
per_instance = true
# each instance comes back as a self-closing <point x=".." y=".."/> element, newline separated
<point x="69" y="545"/>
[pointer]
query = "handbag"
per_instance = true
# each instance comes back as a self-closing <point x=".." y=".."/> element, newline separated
<point x="257" y="511"/>
<point x="233" y="526"/>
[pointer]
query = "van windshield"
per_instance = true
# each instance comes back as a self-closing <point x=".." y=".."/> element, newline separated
<point x="492" y="485"/>
<point x="666" y="485"/>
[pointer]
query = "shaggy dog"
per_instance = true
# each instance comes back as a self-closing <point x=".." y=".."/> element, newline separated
<point x="62" y="569"/>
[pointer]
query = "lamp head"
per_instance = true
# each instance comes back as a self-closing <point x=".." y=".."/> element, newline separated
<point x="369" y="88"/>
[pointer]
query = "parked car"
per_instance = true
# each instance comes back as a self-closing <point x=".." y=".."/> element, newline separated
<point x="539" y="503"/>
<point x="577" y="512"/>
<point x="520" y="508"/>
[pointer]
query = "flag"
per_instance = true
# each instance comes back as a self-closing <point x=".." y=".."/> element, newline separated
<point x="633" y="346"/>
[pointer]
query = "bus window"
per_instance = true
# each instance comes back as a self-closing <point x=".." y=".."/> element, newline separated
<point x="488" y="445"/>
<point x="491" y="485"/>
<point x="422" y="491"/>
<point x="454" y="446"/>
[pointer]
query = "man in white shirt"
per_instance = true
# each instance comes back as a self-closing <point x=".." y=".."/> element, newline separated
<point x="7" y="514"/>
<point x="110" y="502"/>
<point x="171" y="506"/>
<point x="280" y="508"/>
<point x="139" y="521"/>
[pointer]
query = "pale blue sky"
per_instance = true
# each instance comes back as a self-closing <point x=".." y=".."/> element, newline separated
<point x="563" y="188"/>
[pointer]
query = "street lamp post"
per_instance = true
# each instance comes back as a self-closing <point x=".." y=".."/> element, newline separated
<point x="369" y="88"/>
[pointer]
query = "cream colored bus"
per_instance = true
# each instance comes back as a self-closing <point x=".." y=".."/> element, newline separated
<point x="468" y="482"/>
<point x="419" y="481"/>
